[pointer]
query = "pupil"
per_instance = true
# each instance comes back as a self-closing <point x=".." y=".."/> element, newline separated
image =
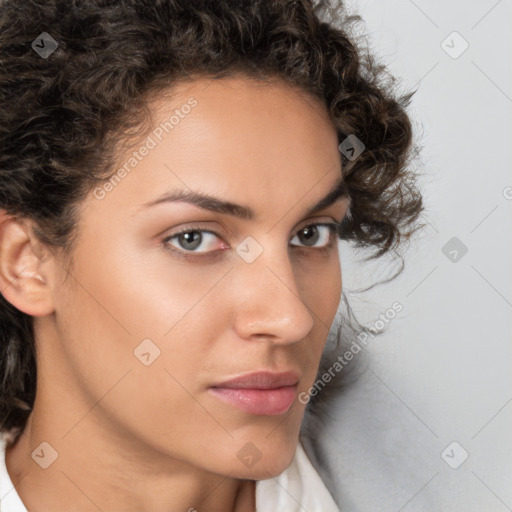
<point x="313" y="233"/>
<point x="190" y="239"/>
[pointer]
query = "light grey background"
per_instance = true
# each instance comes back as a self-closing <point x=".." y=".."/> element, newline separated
<point x="441" y="373"/>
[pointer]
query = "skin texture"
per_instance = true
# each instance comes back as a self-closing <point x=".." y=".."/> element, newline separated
<point x="152" y="438"/>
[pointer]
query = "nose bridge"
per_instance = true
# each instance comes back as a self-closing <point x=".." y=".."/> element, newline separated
<point x="269" y="303"/>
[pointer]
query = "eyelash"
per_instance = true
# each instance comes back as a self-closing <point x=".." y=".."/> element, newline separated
<point x="333" y="230"/>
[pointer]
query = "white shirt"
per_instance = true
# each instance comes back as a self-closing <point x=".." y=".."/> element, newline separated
<point x="298" y="488"/>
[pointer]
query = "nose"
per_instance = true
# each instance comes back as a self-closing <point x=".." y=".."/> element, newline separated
<point x="268" y="301"/>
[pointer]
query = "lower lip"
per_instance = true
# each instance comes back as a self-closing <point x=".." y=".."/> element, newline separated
<point x="267" y="402"/>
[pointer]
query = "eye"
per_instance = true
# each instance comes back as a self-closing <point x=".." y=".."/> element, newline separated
<point x="311" y="234"/>
<point x="189" y="241"/>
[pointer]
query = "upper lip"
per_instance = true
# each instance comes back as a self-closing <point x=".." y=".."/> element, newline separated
<point x="261" y="380"/>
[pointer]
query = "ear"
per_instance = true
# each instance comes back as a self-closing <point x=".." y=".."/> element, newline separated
<point x="25" y="277"/>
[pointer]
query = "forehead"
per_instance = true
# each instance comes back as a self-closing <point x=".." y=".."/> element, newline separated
<point x="265" y="143"/>
<point x="245" y="109"/>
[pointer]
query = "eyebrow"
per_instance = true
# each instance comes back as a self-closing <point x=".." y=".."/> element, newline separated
<point x="214" y="204"/>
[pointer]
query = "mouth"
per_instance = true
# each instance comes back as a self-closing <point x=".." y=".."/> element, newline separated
<point x="260" y="393"/>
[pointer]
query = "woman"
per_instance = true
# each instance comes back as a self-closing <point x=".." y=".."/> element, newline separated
<point x="174" y="177"/>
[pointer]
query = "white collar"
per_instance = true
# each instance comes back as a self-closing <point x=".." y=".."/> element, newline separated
<point x="298" y="488"/>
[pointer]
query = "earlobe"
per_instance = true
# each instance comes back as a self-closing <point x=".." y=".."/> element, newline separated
<point x="24" y="277"/>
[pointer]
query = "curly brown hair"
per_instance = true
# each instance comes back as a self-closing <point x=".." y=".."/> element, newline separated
<point x="62" y="118"/>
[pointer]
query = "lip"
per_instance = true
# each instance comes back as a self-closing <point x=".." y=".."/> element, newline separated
<point x="261" y="393"/>
<point x="260" y="380"/>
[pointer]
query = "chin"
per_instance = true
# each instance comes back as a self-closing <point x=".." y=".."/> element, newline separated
<point x="273" y="461"/>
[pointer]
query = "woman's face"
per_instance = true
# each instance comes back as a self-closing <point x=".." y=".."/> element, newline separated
<point x="148" y="321"/>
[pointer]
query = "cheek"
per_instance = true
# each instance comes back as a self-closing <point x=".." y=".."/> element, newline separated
<point x="320" y="286"/>
<point x="143" y="292"/>
<point x="136" y="343"/>
<point x="122" y="310"/>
